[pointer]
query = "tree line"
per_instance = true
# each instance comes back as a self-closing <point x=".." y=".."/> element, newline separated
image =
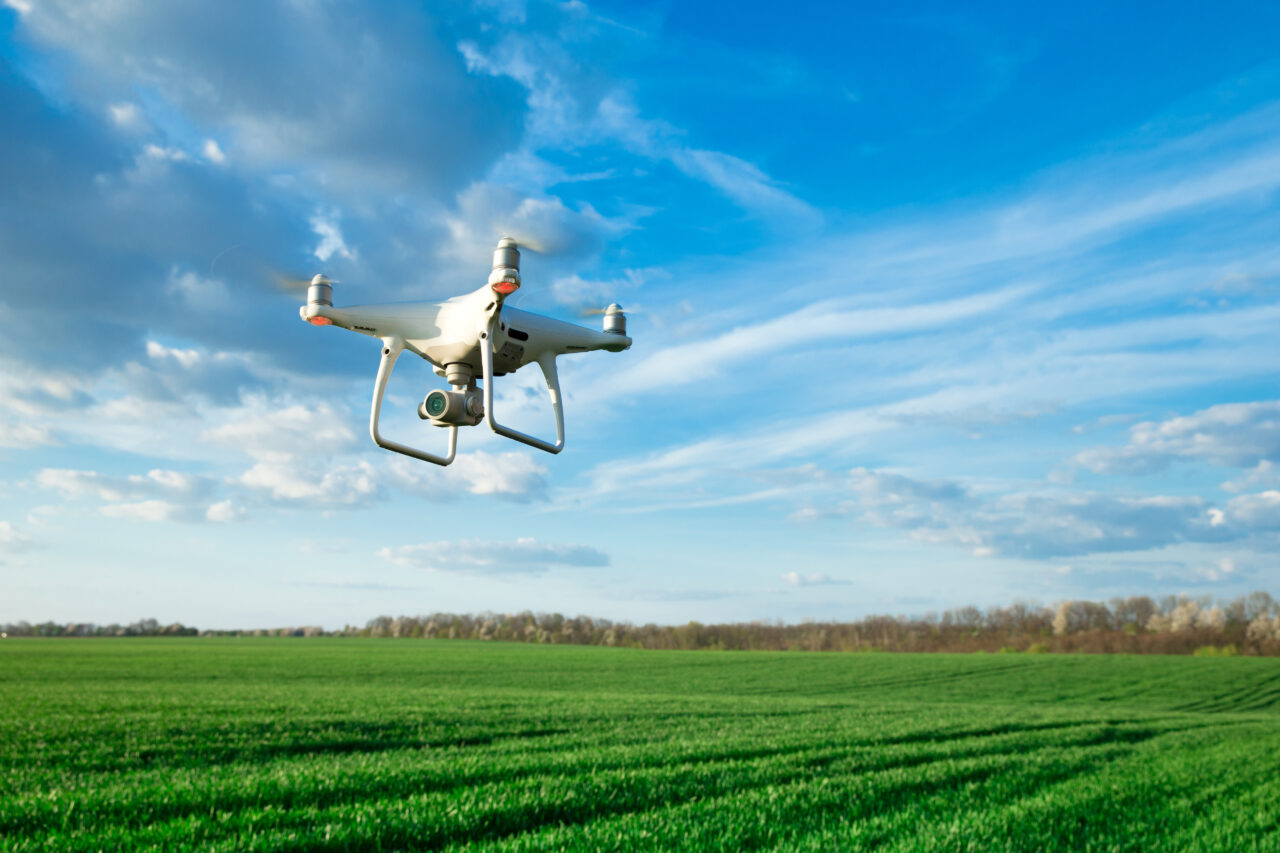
<point x="1248" y="625"/>
<point x="141" y="628"/>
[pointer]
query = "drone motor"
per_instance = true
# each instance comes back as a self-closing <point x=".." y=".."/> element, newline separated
<point x="615" y="321"/>
<point x="505" y="276"/>
<point x="320" y="291"/>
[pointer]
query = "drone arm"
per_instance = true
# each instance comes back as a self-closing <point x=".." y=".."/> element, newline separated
<point x="391" y="349"/>
<point x="547" y="361"/>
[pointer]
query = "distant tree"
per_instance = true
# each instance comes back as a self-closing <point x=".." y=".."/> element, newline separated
<point x="1136" y="610"/>
<point x="1259" y="603"/>
<point x="1264" y="627"/>
<point x="1214" y="619"/>
<point x="1075" y="616"/>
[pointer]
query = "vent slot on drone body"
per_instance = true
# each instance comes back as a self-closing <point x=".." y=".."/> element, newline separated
<point x="518" y="335"/>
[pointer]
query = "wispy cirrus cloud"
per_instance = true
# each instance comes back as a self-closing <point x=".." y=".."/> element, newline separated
<point x="806" y="328"/>
<point x="565" y="112"/>
<point x="810" y="579"/>
<point x="521" y="556"/>
<point x="1085" y="332"/>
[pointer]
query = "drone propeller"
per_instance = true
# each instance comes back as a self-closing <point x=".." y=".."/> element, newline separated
<point x="289" y="283"/>
<point x="527" y="242"/>
<point x="293" y="283"/>
<point x="251" y="266"/>
<point x="615" y="319"/>
<point x="612" y="308"/>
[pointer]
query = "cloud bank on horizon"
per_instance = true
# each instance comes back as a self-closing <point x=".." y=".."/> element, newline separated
<point x="980" y="307"/>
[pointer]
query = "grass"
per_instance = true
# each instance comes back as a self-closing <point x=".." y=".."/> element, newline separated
<point x="340" y="744"/>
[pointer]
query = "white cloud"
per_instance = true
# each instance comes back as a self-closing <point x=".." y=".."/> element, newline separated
<point x="1234" y="435"/>
<point x="486" y="211"/>
<point x="23" y="436"/>
<point x="153" y="510"/>
<point x="126" y="115"/>
<point x="1218" y="570"/>
<point x="272" y="432"/>
<point x="213" y="152"/>
<point x="1042" y="526"/>
<point x="1034" y="525"/>
<point x="576" y="291"/>
<point x="32" y="391"/>
<point x="427" y="123"/>
<point x="811" y="579"/>
<point x="1256" y="512"/>
<point x="314" y="484"/>
<point x="528" y="172"/>
<point x="513" y="476"/>
<point x="75" y="484"/>
<point x="158" y="495"/>
<point x="163" y="154"/>
<point x="509" y="11"/>
<point x="542" y="66"/>
<point x="199" y="291"/>
<point x="13" y="540"/>
<point x="1265" y="473"/>
<point x="223" y="512"/>
<point x="331" y="239"/>
<point x="812" y="325"/>
<point x="564" y="114"/>
<point x="618" y="117"/>
<point x="744" y="183"/>
<point x="177" y="481"/>
<point x="1004" y="522"/>
<point x="523" y="556"/>
<point x="185" y="357"/>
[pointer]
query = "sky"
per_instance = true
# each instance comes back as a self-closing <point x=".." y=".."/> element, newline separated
<point x="931" y="307"/>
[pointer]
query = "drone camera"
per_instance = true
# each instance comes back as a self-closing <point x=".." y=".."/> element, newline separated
<point x="452" y="408"/>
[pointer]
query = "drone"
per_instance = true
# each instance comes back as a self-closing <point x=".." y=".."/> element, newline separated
<point x="469" y="337"/>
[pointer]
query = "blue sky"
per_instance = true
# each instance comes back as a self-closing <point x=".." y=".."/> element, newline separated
<point x="930" y="307"/>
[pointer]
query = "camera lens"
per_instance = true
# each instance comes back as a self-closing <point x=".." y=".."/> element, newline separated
<point x="436" y="404"/>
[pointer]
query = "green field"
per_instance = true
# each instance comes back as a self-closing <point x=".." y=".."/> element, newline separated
<point x="344" y="744"/>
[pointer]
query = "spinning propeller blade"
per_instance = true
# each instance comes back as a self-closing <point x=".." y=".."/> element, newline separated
<point x="289" y="283"/>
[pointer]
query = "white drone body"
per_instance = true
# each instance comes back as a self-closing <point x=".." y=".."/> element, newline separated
<point x="468" y="338"/>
